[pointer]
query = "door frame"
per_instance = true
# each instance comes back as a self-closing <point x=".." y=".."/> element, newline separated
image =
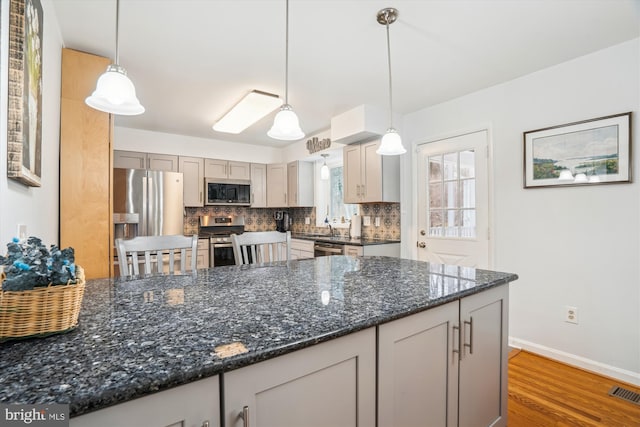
<point x="413" y="233"/>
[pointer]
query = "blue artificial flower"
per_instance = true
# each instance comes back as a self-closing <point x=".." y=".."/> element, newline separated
<point x="21" y="265"/>
<point x="72" y="268"/>
<point x="15" y="240"/>
<point x="65" y="262"/>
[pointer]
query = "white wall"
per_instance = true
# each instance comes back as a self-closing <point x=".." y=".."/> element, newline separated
<point x="19" y="204"/>
<point x="166" y="143"/>
<point x="574" y="246"/>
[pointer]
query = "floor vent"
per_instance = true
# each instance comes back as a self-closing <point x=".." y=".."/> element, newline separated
<point x="624" y="394"/>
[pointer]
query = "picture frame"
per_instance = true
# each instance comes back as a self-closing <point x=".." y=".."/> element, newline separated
<point x="589" y="152"/>
<point x="24" y="127"/>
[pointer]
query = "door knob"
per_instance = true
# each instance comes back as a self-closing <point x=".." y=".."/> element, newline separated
<point x="422" y="245"/>
<point x="423" y="233"/>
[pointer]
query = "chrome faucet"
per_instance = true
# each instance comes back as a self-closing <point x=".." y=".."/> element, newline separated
<point x="330" y="230"/>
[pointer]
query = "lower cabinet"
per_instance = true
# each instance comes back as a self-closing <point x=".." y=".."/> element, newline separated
<point x="329" y="384"/>
<point x="387" y="249"/>
<point x="202" y="260"/>
<point x="446" y="366"/>
<point x="196" y="404"/>
<point x="301" y="249"/>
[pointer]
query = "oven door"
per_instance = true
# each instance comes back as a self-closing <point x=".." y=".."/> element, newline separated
<point x="221" y="254"/>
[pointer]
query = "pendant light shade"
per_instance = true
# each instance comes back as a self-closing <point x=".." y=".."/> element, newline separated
<point x="324" y="170"/>
<point x="286" y="125"/>
<point x="391" y="144"/>
<point x="115" y="92"/>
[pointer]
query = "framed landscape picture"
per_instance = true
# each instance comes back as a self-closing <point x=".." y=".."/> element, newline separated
<point x="590" y="152"/>
<point x="24" y="127"/>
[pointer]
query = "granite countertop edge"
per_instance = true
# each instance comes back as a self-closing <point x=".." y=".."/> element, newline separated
<point x="344" y="240"/>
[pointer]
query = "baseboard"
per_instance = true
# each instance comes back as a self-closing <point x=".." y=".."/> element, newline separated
<point x="629" y="377"/>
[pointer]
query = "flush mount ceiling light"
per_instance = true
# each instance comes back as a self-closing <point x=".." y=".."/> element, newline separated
<point x="114" y="92"/>
<point x="251" y="108"/>
<point x="324" y="170"/>
<point x="391" y="144"/>
<point x="286" y="125"/>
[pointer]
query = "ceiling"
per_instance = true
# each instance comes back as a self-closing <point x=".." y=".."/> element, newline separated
<point x="191" y="60"/>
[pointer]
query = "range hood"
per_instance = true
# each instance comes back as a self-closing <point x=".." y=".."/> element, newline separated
<point x="362" y="123"/>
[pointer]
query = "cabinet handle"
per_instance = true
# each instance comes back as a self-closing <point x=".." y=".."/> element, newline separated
<point x="456" y="350"/>
<point x="364" y="190"/>
<point x="357" y="190"/>
<point x="470" y="345"/>
<point x="285" y="198"/>
<point x="201" y="196"/>
<point x="245" y="416"/>
<point x="205" y="424"/>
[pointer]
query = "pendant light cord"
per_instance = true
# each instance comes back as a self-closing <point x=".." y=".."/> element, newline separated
<point x="286" y="59"/>
<point x="117" y="25"/>
<point x="389" y="60"/>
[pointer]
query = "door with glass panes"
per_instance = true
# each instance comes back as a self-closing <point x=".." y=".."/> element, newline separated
<point x="453" y="201"/>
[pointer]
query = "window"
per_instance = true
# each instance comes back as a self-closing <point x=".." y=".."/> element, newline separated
<point x="329" y="198"/>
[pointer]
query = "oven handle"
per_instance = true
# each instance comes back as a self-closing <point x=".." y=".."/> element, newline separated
<point x="328" y="249"/>
<point x="221" y="245"/>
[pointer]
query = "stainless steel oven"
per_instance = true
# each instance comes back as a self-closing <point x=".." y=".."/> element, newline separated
<point x="219" y="230"/>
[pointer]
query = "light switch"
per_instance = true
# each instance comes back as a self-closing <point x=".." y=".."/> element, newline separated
<point x="366" y="220"/>
<point x="377" y="221"/>
<point x="307" y="220"/>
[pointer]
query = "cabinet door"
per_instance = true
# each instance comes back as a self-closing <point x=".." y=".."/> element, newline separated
<point x="129" y="160"/>
<point x="483" y="368"/>
<point x="193" y="178"/>
<point x="370" y="172"/>
<point x="277" y="185"/>
<point x="351" y="173"/>
<point x="292" y="183"/>
<point x="239" y="170"/>
<point x="328" y="384"/>
<point x="352" y="250"/>
<point x="214" y="168"/>
<point x="190" y="405"/>
<point x="418" y="370"/>
<point x="162" y="162"/>
<point x="258" y="185"/>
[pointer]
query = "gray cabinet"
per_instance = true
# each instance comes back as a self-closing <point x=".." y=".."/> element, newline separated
<point x="328" y="384"/>
<point x="258" y="185"/>
<point x="446" y="366"/>
<point x="193" y="405"/>
<point x="138" y="160"/>
<point x="277" y="185"/>
<point x="226" y="169"/>
<point x="369" y="177"/>
<point x="192" y="169"/>
<point x="302" y="249"/>
<point x="300" y="183"/>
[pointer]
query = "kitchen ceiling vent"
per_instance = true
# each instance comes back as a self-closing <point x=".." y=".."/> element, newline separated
<point x="625" y="394"/>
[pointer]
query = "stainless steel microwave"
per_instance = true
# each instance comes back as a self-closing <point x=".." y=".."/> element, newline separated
<point x="227" y="191"/>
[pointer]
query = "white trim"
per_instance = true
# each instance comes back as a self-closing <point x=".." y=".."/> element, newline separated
<point x="629" y="377"/>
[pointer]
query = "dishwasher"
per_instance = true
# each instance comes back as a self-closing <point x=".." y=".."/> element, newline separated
<point x="327" y="249"/>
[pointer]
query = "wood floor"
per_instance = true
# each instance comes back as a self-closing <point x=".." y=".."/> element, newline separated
<point x="543" y="392"/>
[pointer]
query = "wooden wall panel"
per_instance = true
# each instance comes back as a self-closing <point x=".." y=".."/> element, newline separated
<point x="85" y="166"/>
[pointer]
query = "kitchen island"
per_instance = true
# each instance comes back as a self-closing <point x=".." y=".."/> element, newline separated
<point x="141" y="336"/>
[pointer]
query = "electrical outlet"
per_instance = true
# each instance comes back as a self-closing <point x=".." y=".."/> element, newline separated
<point x="571" y="314"/>
<point x="366" y="220"/>
<point x="22" y="231"/>
<point x="377" y="221"/>
<point x="307" y="220"/>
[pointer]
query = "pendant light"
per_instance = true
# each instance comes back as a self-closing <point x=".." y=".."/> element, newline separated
<point x="114" y="92"/>
<point x="391" y="144"/>
<point x="285" y="125"/>
<point x="324" y="170"/>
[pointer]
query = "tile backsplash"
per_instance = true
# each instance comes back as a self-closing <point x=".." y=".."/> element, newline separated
<point x="261" y="219"/>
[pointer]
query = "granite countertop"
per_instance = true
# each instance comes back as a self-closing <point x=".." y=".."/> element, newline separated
<point x="343" y="240"/>
<point x="138" y="336"/>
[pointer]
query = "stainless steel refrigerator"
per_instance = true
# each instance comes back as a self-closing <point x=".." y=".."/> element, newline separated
<point x="147" y="203"/>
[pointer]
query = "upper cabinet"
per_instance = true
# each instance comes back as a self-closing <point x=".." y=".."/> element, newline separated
<point x="369" y="177"/>
<point x="277" y="188"/>
<point x="192" y="169"/>
<point x="300" y="183"/>
<point x="225" y="169"/>
<point x="258" y="185"/>
<point x="137" y="160"/>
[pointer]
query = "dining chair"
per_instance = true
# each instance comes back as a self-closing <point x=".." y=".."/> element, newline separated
<point x="159" y="254"/>
<point x="257" y="247"/>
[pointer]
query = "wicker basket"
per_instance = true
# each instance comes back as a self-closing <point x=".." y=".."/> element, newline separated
<point x="41" y="311"/>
